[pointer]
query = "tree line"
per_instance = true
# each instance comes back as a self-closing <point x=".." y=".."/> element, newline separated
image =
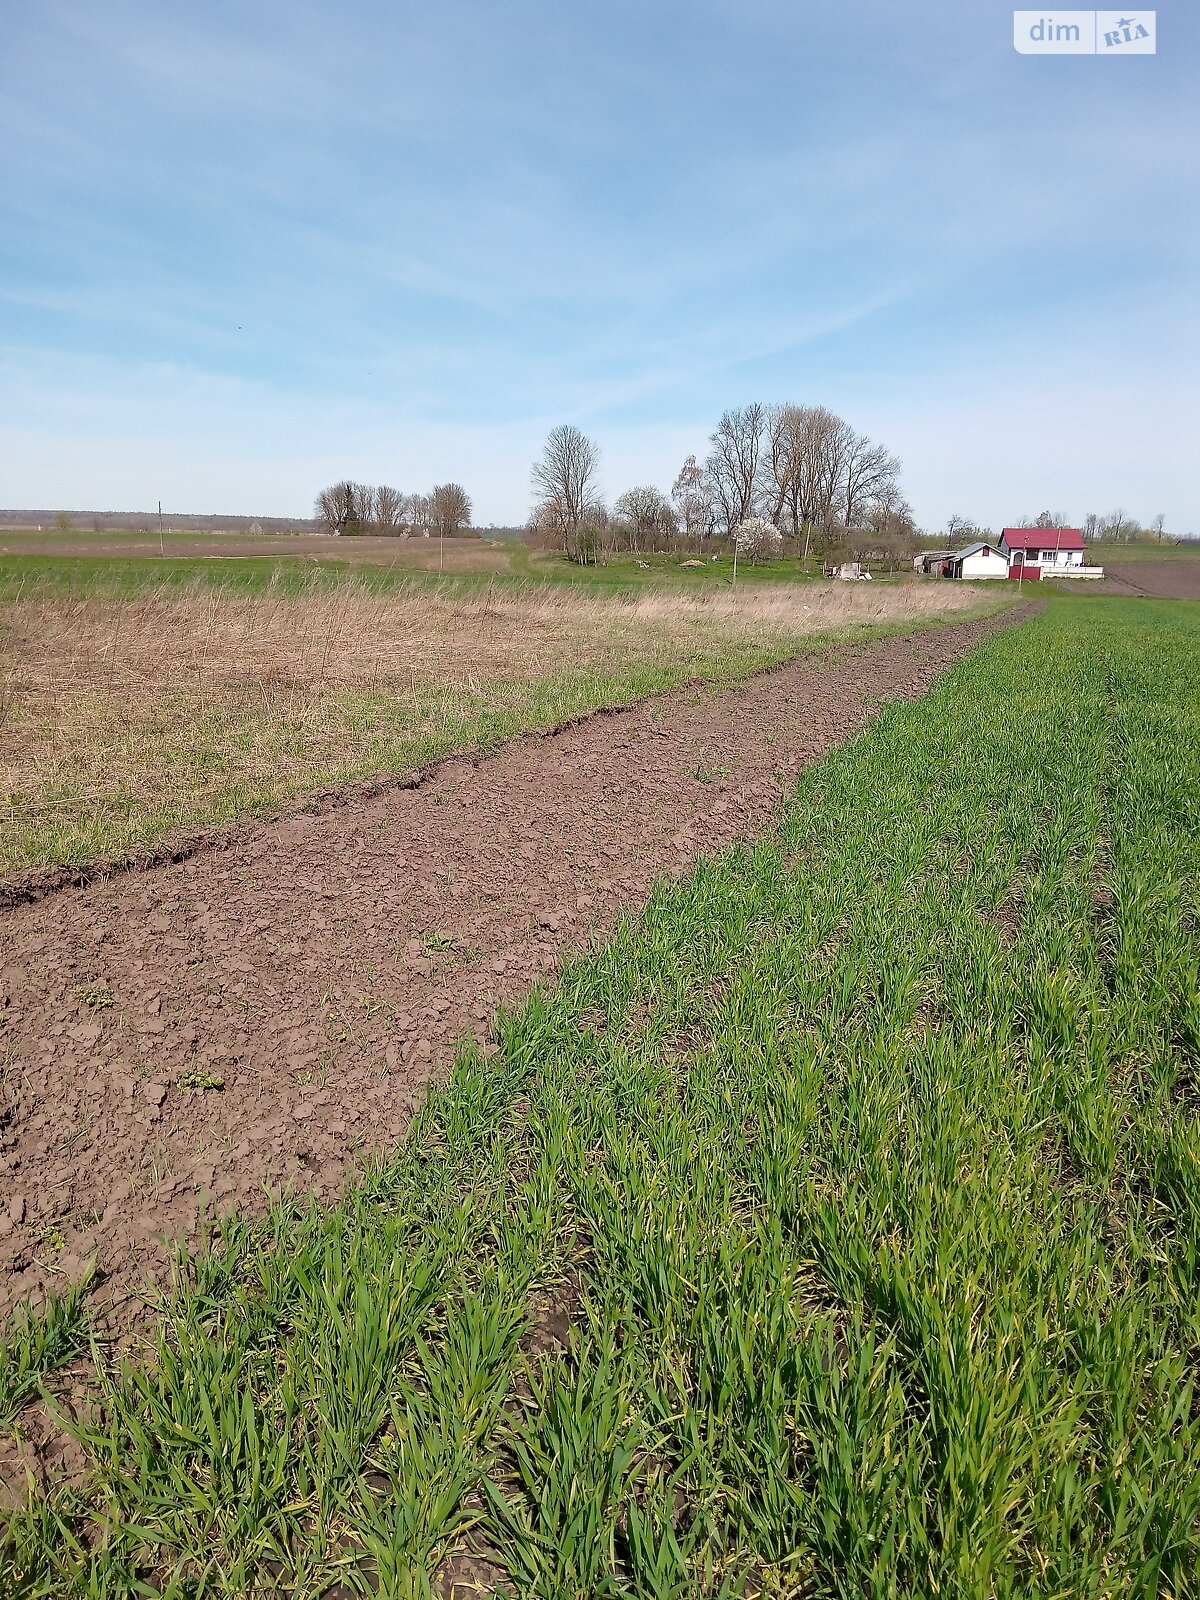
<point x="349" y="508"/>
<point x="1117" y="527"/>
<point x="802" y="471"/>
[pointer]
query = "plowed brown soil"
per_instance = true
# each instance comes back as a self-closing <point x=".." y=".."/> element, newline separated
<point x="180" y="1040"/>
<point x="1164" y="580"/>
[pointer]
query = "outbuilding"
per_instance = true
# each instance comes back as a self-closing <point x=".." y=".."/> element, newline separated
<point x="934" y="563"/>
<point x="980" y="560"/>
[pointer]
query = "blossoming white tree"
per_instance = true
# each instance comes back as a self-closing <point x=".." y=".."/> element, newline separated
<point x="756" y="539"/>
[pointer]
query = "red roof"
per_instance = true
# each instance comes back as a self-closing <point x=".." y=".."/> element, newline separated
<point x="1043" y="538"/>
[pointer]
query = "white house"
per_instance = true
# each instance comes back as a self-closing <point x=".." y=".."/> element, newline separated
<point x="1029" y="550"/>
<point x="980" y="560"/>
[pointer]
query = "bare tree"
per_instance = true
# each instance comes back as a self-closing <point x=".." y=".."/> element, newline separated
<point x="564" y="481"/>
<point x="335" y="506"/>
<point x="364" y="508"/>
<point x="834" y="441"/>
<point x="390" y="506"/>
<point x="811" y="464"/>
<point x="645" y="518"/>
<point x="451" y="506"/>
<point x="958" y="526"/>
<point x="808" y="460"/>
<point x="801" y="467"/>
<point x="888" y="512"/>
<point x="1118" y="526"/>
<point x="785" y="442"/>
<point x="733" y="463"/>
<point x="692" y="494"/>
<point x="451" y="510"/>
<point x="804" y="491"/>
<point x="420" y="515"/>
<point x="867" y="470"/>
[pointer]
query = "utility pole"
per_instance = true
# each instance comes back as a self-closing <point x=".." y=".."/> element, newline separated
<point x="161" y="549"/>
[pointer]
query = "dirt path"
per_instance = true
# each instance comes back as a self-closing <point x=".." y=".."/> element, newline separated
<point x="323" y="969"/>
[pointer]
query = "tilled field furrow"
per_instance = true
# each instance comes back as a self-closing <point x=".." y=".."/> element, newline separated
<point x="178" y="1042"/>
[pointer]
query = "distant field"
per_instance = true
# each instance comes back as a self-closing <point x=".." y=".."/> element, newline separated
<point x="91" y="563"/>
<point x="832" y="1231"/>
<point x="1109" y="555"/>
<point x="132" y="708"/>
<point x="464" y="554"/>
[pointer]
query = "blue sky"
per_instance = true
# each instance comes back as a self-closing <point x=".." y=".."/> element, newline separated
<point x="250" y="248"/>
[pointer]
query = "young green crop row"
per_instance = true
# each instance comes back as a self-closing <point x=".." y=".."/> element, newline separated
<point x="833" y="1230"/>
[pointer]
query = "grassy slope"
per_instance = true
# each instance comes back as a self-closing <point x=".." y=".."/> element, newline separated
<point x="1105" y="554"/>
<point x="864" y="1165"/>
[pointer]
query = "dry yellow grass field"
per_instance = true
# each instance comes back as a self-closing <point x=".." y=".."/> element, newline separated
<point x="122" y="719"/>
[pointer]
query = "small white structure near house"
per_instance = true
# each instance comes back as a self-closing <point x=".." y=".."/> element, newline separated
<point x="981" y="560"/>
